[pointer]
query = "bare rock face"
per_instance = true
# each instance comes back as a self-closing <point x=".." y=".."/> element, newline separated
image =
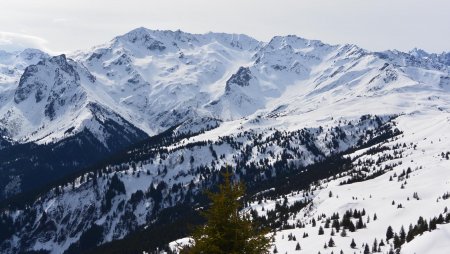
<point x="241" y="78"/>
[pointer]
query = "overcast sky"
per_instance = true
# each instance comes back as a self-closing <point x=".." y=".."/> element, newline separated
<point x="63" y="25"/>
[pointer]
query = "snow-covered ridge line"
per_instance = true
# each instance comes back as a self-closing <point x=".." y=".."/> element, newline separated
<point x="156" y="79"/>
<point x="234" y="97"/>
<point x="131" y="189"/>
<point x="414" y="185"/>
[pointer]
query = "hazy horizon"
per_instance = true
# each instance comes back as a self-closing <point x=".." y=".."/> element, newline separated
<point x="64" y="26"/>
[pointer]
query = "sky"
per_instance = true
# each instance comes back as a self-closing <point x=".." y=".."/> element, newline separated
<point x="62" y="26"/>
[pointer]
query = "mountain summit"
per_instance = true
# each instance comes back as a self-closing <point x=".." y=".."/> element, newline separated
<point x="124" y="138"/>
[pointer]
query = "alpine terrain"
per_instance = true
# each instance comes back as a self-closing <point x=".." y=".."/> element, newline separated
<point x="110" y="149"/>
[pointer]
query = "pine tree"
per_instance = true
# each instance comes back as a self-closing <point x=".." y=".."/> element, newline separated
<point x="297" y="247"/>
<point x="410" y="235"/>
<point x="344" y="232"/>
<point x="226" y="231"/>
<point x="321" y="232"/>
<point x="351" y="227"/>
<point x="366" y="249"/>
<point x="397" y="242"/>
<point x="375" y="246"/>
<point x="389" y="233"/>
<point x="359" y="224"/>
<point x="402" y="235"/>
<point x="331" y="243"/>
<point x="353" y="244"/>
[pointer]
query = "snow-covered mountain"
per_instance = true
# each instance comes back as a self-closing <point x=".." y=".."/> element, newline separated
<point x="395" y="183"/>
<point x="157" y="79"/>
<point x="290" y="108"/>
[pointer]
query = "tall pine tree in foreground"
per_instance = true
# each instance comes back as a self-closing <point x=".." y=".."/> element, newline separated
<point x="226" y="231"/>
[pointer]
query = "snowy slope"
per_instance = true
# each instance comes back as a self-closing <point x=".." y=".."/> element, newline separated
<point x="430" y="176"/>
<point x="12" y="65"/>
<point x="248" y="104"/>
<point x="392" y="198"/>
<point x="161" y="78"/>
<point x="98" y="199"/>
<point x="157" y="79"/>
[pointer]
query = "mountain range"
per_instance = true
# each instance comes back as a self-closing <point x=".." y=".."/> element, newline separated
<point x="101" y="147"/>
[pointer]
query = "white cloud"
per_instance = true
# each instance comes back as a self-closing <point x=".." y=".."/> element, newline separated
<point x="16" y="41"/>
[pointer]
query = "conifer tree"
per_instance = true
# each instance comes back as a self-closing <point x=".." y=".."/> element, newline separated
<point x="402" y="235"/>
<point x="226" y="231"/>
<point x="360" y="223"/>
<point x="397" y="242"/>
<point x="331" y="242"/>
<point x="343" y="232"/>
<point x="353" y="244"/>
<point x="389" y="233"/>
<point x="375" y="246"/>
<point x="366" y="249"/>
<point x="321" y="232"/>
<point x="410" y="235"/>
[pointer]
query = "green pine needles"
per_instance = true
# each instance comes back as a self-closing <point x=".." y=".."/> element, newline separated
<point x="226" y="230"/>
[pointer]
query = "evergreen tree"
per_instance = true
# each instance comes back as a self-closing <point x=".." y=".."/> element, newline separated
<point x="353" y="244"/>
<point x="366" y="249"/>
<point x="397" y="242"/>
<point x="344" y="232"/>
<point x="410" y="235"/>
<point x="360" y="224"/>
<point x="226" y="231"/>
<point x="297" y="247"/>
<point x="351" y="227"/>
<point x="321" y="232"/>
<point x="331" y="243"/>
<point x="389" y="233"/>
<point x="402" y="235"/>
<point x="375" y="246"/>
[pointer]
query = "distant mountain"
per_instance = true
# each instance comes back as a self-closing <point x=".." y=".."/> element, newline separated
<point x="119" y="139"/>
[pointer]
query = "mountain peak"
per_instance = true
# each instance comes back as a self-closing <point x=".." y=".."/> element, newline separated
<point x="288" y="104"/>
<point x="29" y="53"/>
<point x="52" y="85"/>
<point x="295" y="42"/>
<point x="160" y="40"/>
<point x="419" y="53"/>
